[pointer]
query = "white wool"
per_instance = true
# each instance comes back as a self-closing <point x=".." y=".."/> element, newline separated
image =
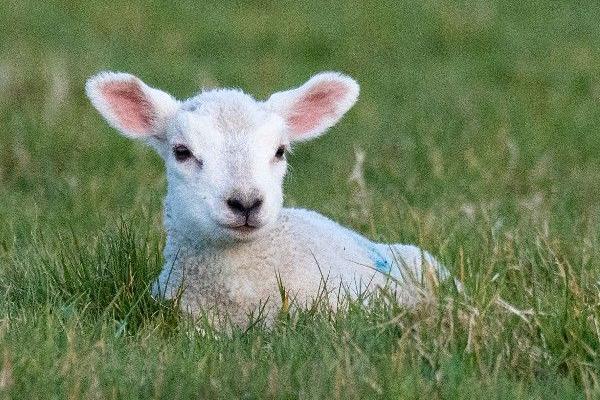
<point x="222" y="255"/>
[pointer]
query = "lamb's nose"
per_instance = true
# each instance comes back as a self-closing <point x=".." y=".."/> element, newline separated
<point x="240" y="206"/>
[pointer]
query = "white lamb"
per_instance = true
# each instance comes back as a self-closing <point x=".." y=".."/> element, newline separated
<point x="229" y="241"/>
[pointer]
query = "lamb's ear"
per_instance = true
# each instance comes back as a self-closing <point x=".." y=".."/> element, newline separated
<point x="315" y="106"/>
<point x="129" y="105"/>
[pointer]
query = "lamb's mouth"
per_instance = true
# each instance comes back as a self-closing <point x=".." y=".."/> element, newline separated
<point x="243" y="228"/>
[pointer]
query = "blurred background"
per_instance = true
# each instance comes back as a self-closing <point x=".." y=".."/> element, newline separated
<point x="468" y="108"/>
<point x="476" y="136"/>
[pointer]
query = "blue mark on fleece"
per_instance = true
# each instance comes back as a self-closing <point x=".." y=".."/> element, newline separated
<point x="382" y="264"/>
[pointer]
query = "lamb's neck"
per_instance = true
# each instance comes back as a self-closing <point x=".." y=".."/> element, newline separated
<point x="182" y="243"/>
<point x="185" y="243"/>
<point x="184" y="234"/>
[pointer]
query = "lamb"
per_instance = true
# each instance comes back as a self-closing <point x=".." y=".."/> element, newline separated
<point x="230" y="243"/>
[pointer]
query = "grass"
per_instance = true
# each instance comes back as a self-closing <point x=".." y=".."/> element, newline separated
<point x="479" y="124"/>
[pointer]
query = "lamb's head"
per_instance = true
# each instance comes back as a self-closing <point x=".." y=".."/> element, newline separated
<point x="225" y="152"/>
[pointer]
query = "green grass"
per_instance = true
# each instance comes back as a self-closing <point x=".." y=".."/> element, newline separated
<point x="480" y="124"/>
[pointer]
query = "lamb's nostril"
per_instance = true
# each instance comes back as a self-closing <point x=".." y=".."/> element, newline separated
<point x="242" y="207"/>
<point x="236" y="205"/>
<point x="256" y="205"/>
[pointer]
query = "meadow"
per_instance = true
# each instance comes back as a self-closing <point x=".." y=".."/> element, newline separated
<point x="479" y="122"/>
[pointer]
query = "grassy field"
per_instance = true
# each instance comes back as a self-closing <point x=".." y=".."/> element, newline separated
<point x="480" y="124"/>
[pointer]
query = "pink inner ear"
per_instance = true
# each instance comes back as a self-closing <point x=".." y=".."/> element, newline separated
<point x="318" y="103"/>
<point x="129" y="105"/>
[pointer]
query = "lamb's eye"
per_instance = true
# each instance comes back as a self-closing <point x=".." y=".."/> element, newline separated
<point x="181" y="153"/>
<point x="280" y="152"/>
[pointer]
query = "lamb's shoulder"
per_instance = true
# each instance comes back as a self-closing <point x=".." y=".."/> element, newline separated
<point x="325" y="241"/>
<point x="405" y="262"/>
<point x="335" y="250"/>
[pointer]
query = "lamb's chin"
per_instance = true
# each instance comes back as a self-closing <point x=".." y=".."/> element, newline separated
<point x="242" y="234"/>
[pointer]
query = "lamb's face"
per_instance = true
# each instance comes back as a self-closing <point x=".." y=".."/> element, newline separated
<point x="224" y="151"/>
<point x="225" y="164"/>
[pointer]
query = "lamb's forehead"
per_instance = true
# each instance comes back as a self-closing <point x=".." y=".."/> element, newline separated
<point x="230" y="110"/>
